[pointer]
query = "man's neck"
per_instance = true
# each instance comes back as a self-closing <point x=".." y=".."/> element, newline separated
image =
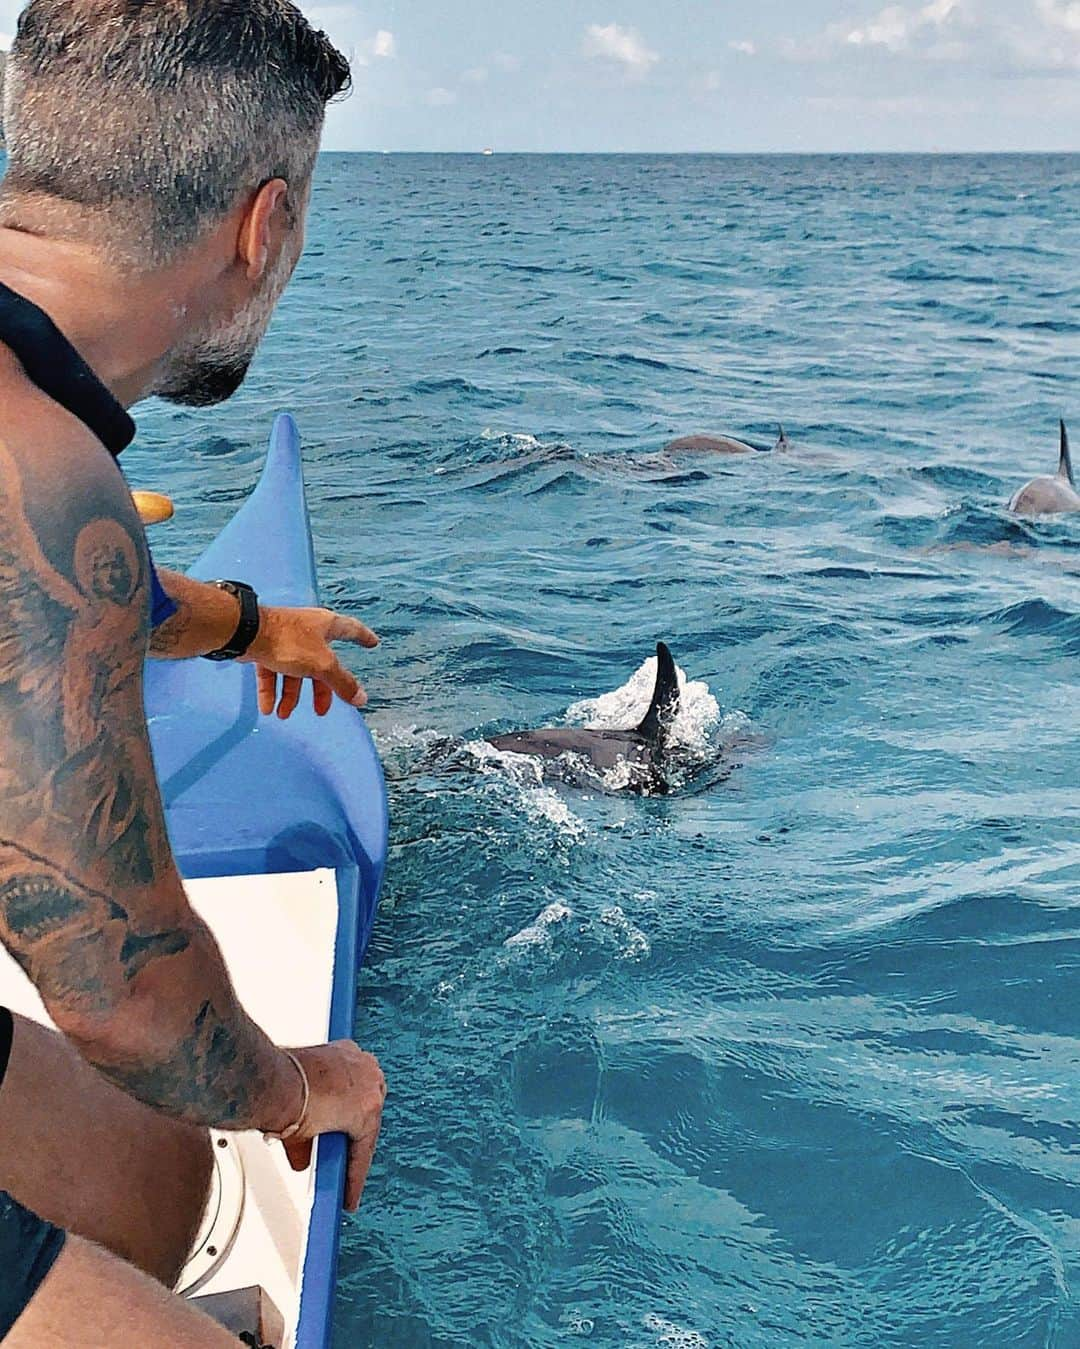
<point x="123" y="325"/>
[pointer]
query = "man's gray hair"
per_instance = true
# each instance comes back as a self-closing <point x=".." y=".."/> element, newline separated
<point x="156" y="116"/>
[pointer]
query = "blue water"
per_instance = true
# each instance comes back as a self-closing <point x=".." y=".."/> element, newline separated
<point x="791" y="1056"/>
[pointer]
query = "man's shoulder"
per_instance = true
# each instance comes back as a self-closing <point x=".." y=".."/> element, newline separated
<point x="70" y="538"/>
<point x="33" y="424"/>
<point x="52" y="453"/>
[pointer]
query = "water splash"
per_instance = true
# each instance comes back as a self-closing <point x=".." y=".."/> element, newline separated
<point x="692" y="730"/>
<point x="538" y="932"/>
<point x="632" y="942"/>
<point x="537" y="801"/>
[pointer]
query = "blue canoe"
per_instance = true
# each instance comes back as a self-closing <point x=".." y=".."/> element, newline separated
<point x="280" y="831"/>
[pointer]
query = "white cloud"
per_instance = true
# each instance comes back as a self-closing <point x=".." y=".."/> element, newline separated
<point x="622" y="46"/>
<point x="507" y="62"/>
<point x="896" y="29"/>
<point x="1060" y="14"/>
<point x="477" y="75"/>
<point x="898" y="26"/>
<point x="440" y="98"/>
<point x="1068" y="16"/>
<point x="349" y="30"/>
<point x="744" y="48"/>
<point x="1048" y="45"/>
<point x="1026" y="37"/>
<point x="381" y="47"/>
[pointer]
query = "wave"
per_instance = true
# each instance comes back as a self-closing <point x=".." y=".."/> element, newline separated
<point x="628" y="358"/>
<point x="1039" y="618"/>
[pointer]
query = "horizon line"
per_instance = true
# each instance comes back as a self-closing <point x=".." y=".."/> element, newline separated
<point x="716" y="154"/>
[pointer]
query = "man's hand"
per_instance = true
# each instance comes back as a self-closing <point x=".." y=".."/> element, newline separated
<point x="295" y="645"/>
<point x="347" y="1094"/>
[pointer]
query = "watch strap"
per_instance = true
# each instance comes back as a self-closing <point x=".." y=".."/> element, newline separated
<point x="247" y="629"/>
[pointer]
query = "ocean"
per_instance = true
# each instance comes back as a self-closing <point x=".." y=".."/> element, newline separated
<point x="790" y="1056"/>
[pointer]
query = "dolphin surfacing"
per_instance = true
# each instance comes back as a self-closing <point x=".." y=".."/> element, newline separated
<point x="642" y="747"/>
<point x="1050" y="496"/>
<point x="708" y="445"/>
<point x="719" y="445"/>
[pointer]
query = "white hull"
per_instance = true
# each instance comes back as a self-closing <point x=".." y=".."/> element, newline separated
<point x="277" y="934"/>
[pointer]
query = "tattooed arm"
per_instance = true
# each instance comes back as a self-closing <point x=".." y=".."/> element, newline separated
<point x="91" y="904"/>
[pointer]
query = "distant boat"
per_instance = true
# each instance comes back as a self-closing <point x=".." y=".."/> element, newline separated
<point x="488" y="150"/>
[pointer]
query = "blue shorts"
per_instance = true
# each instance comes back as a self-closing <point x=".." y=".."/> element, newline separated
<point x="28" y="1245"/>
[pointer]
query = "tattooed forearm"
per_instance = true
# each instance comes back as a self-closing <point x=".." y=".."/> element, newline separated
<point x="46" y="912"/>
<point x="209" y="1078"/>
<point x="206" y="618"/>
<point x="82" y="950"/>
<point x="169" y="639"/>
<point x="91" y="905"/>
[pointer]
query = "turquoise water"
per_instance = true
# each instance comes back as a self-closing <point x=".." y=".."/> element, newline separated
<point x="791" y="1056"/>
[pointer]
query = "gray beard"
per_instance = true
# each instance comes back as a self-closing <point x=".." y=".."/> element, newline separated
<point x="202" y="381"/>
<point x="209" y="367"/>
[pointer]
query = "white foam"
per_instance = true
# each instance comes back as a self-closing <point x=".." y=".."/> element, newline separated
<point x="524" y="769"/>
<point x="519" y="439"/>
<point x="538" y="932"/>
<point x="674" y="1336"/>
<point x="546" y="804"/>
<point x="390" y="738"/>
<point x="692" y="729"/>
<point x="633" y="943"/>
<point x="538" y="802"/>
<point x="620" y="776"/>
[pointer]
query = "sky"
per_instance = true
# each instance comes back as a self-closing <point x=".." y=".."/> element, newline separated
<point x="703" y="75"/>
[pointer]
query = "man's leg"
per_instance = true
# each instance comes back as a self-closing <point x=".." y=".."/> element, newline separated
<point x="79" y="1153"/>
<point x="92" y="1300"/>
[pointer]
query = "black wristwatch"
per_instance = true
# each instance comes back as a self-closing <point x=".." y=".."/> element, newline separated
<point x="248" y="627"/>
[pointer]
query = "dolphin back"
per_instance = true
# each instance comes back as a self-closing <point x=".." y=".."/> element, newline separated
<point x="1065" y="468"/>
<point x="664" y="707"/>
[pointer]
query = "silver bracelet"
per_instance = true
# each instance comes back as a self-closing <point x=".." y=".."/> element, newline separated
<point x="294" y="1129"/>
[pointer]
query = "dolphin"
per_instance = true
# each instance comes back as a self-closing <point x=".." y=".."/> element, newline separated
<point x="642" y="747"/>
<point x="719" y="445"/>
<point x="1050" y="496"/>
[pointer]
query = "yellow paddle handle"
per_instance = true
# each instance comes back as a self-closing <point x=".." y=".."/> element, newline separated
<point x="153" y="507"/>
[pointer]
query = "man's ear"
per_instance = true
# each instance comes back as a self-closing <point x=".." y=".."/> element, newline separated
<point x="265" y="217"/>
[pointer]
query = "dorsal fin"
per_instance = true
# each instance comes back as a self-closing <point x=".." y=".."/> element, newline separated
<point x="665" y="700"/>
<point x="1065" y="468"/>
<point x="782" y="442"/>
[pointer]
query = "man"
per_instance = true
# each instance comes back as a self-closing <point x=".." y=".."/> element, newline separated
<point x="160" y="159"/>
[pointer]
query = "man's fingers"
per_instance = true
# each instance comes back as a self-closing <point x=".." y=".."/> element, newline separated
<point x="338" y="681"/>
<point x="346" y="629"/>
<point x="267" y="681"/>
<point x="345" y="685"/>
<point x="361" y="1155"/>
<point x="290" y="696"/>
